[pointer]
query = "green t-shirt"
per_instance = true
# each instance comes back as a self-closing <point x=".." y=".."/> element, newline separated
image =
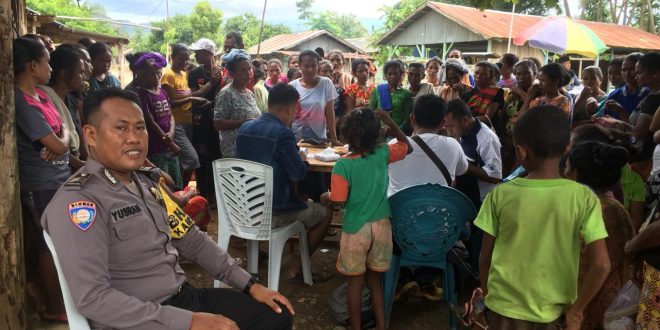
<point x="632" y="186"/>
<point x="361" y="182"/>
<point x="538" y="226"/>
<point x="401" y="106"/>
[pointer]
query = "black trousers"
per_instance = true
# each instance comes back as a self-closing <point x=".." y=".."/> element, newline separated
<point x="237" y="306"/>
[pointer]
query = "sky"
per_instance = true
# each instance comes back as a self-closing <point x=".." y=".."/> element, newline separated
<point x="277" y="11"/>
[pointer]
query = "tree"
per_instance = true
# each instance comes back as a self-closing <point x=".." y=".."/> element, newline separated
<point x="248" y="25"/>
<point x="304" y="9"/>
<point x="203" y="22"/>
<point x="12" y="277"/>
<point x="344" y="26"/>
<point x="642" y="14"/>
<point x="72" y="8"/>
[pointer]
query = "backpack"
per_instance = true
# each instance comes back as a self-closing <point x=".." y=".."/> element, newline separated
<point x="339" y="308"/>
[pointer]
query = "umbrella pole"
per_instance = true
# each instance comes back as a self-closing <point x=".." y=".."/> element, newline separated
<point x="508" y="47"/>
<point x="597" y="59"/>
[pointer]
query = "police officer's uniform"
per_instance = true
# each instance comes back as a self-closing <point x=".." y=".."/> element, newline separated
<point x="118" y="255"/>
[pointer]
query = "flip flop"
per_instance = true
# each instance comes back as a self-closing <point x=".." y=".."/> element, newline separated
<point x="58" y="318"/>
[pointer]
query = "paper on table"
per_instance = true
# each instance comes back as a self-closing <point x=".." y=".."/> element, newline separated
<point x="327" y="155"/>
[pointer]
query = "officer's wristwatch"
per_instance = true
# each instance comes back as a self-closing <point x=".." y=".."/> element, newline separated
<point x="251" y="282"/>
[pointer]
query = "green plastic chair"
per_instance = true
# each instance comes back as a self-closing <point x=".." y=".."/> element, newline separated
<point x="426" y="222"/>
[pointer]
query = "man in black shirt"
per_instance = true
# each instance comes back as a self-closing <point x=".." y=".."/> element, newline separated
<point x="205" y="138"/>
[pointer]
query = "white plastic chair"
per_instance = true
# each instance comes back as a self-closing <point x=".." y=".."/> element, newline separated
<point x="244" y="193"/>
<point x="76" y="321"/>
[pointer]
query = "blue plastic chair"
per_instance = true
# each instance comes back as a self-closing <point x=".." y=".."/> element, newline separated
<point x="426" y="222"/>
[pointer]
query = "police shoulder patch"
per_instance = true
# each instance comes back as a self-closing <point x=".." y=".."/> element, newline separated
<point x="77" y="181"/>
<point x="82" y="214"/>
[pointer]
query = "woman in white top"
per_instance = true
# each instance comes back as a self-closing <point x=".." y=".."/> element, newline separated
<point x="315" y="119"/>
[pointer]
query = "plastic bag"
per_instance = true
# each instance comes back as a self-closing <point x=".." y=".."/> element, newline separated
<point x="623" y="306"/>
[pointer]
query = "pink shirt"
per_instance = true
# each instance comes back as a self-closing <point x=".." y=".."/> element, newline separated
<point x="47" y="109"/>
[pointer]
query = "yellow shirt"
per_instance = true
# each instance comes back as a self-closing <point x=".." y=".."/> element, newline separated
<point x="179" y="82"/>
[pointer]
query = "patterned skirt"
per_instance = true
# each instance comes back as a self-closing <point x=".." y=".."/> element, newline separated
<point x="648" y="316"/>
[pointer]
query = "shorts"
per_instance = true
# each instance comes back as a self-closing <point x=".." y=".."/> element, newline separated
<point x="310" y="217"/>
<point x="169" y="164"/>
<point x="370" y="247"/>
<point x="500" y="322"/>
<point x="188" y="157"/>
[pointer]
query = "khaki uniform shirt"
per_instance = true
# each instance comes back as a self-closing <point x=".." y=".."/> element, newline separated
<point x="117" y="254"/>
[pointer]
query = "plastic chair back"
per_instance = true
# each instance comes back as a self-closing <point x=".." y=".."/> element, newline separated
<point x="244" y="193"/>
<point x="427" y="220"/>
<point x="76" y="321"/>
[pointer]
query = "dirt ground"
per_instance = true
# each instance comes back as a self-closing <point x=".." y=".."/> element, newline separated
<point x="311" y="302"/>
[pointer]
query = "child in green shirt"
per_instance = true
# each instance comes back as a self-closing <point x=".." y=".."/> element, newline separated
<point x="360" y="180"/>
<point x="533" y="227"/>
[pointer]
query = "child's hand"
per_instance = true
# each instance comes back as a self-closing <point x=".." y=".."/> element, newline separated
<point x="573" y="318"/>
<point x="325" y="199"/>
<point x="385" y="117"/>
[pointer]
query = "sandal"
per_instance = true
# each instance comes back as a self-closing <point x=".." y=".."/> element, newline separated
<point x="57" y="318"/>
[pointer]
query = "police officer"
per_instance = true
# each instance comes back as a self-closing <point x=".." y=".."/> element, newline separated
<point x="119" y="250"/>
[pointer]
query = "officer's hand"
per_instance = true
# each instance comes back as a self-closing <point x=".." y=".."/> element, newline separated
<point x="269" y="297"/>
<point x="204" y="321"/>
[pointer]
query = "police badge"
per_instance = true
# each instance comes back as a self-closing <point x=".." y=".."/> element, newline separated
<point x="82" y="214"/>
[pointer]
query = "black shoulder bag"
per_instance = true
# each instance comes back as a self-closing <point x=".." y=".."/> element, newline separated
<point x="425" y="147"/>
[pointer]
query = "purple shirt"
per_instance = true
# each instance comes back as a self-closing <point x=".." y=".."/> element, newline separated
<point x="158" y="105"/>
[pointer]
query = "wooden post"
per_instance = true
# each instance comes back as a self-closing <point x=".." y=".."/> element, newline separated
<point x="122" y="62"/>
<point x="12" y="269"/>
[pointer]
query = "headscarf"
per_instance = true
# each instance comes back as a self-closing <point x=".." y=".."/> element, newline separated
<point x="159" y="60"/>
<point x="457" y="64"/>
<point x="236" y="54"/>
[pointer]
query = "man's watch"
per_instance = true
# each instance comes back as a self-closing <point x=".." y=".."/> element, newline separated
<point x="251" y="282"/>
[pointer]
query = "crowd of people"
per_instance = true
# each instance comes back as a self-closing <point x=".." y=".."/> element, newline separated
<point x="565" y="176"/>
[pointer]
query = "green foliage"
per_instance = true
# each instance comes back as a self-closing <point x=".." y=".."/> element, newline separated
<point x="344" y="26"/>
<point x="71" y="8"/>
<point x="205" y="22"/>
<point x="305" y="9"/>
<point x="248" y="25"/>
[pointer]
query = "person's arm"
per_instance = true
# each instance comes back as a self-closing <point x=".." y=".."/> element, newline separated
<point x="646" y="239"/>
<point x="494" y="106"/>
<point x="330" y="122"/>
<point x="655" y="123"/>
<point x="55" y="144"/>
<point x="641" y="129"/>
<point x="222" y="113"/>
<point x="290" y="158"/>
<point x="176" y="102"/>
<point x="636" y="210"/>
<point x="599" y="269"/>
<point x="94" y="296"/>
<point x="395" y="130"/>
<point x="532" y="93"/>
<point x="350" y="102"/>
<point x="485" y="257"/>
<point x="491" y="171"/>
<point x="374" y="100"/>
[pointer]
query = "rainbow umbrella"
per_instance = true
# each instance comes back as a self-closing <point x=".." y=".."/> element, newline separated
<point x="561" y="35"/>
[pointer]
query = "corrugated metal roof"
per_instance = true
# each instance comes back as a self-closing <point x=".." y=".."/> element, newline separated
<point x="288" y="41"/>
<point x="495" y="24"/>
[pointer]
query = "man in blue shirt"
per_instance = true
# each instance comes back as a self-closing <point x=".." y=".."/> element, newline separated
<point x="622" y="101"/>
<point x="269" y="140"/>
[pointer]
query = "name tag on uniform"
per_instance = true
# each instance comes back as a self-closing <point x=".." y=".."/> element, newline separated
<point x="125" y="212"/>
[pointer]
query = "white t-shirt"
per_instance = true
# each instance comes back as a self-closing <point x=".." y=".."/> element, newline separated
<point x="656" y="159"/>
<point x="310" y="121"/>
<point x="417" y="168"/>
<point x="488" y="148"/>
